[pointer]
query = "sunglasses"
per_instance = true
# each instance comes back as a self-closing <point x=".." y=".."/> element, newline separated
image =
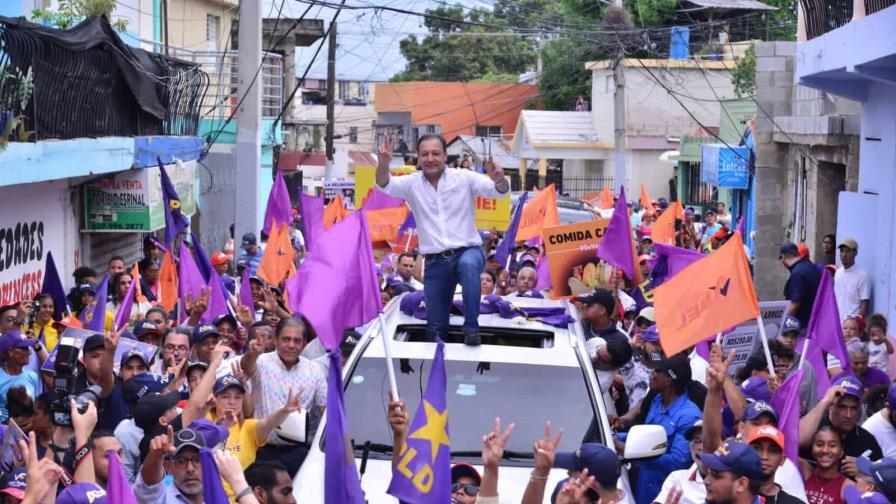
<point x="470" y="490"/>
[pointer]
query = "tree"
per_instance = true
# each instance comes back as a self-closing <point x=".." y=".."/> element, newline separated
<point x="564" y="76"/>
<point x="744" y="75"/>
<point x="71" y="12"/>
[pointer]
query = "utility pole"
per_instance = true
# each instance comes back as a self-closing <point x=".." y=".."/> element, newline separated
<point x="619" y="153"/>
<point x="165" y="25"/>
<point x="331" y="100"/>
<point x="248" y="119"/>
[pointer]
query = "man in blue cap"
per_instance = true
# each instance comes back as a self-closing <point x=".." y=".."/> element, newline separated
<point x="252" y="253"/>
<point x="877" y="476"/>
<point x="734" y="474"/>
<point x="601" y="462"/>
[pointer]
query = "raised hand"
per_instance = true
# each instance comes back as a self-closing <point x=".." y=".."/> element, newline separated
<point x="269" y="300"/>
<point x="112" y="338"/>
<point x="237" y="371"/>
<point x="717" y="372"/>
<point x="43" y="474"/>
<point x="494" y="170"/>
<point x="398" y="418"/>
<point x="83" y="423"/>
<point x="244" y="314"/>
<point x="494" y="442"/>
<point x="293" y="402"/>
<point x="221" y="349"/>
<point x="574" y="489"/>
<point x="163" y="444"/>
<point x="384" y="153"/>
<point x="256" y="347"/>
<point x="545" y="448"/>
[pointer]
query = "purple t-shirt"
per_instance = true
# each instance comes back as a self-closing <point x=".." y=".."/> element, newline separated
<point x="874" y="376"/>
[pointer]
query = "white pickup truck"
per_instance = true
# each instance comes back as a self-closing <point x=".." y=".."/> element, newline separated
<point x="525" y="372"/>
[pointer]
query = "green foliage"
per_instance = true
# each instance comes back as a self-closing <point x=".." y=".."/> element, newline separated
<point x="564" y="76"/>
<point x="782" y="22"/>
<point x="744" y="75"/>
<point x="72" y="12"/>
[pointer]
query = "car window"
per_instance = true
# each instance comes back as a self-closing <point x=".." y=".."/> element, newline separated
<point x="525" y="394"/>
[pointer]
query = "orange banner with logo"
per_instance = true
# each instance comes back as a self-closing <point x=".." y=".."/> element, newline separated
<point x="570" y="250"/>
<point x="540" y="212"/>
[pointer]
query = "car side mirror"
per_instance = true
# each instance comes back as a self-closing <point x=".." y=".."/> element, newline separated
<point x="644" y="442"/>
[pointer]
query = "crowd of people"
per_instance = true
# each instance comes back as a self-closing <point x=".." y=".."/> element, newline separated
<point x="219" y="412"/>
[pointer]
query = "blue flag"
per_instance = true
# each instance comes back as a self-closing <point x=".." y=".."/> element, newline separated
<point x="506" y="246"/>
<point x="52" y="285"/>
<point x="341" y="482"/>
<point x="202" y="260"/>
<point x="423" y="473"/>
<point x="175" y="221"/>
<point x="94" y="316"/>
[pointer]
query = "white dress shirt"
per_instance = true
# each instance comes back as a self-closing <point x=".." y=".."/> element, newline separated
<point x="446" y="217"/>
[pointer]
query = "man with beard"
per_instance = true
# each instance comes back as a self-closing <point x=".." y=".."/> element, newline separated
<point x="183" y="465"/>
<point x="769" y="445"/>
<point x="734" y="474"/>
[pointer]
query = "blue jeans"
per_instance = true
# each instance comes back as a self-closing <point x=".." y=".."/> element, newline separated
<point x="441" y="277"/>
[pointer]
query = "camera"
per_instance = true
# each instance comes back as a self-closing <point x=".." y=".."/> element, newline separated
<point x="65" y="368"/>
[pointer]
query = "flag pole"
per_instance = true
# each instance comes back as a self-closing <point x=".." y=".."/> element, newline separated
<point x="803" y="354"/>
<point x="390" y="369"/>
<point x="768" y="354"/>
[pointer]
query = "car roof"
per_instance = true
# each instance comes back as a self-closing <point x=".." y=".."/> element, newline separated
<point x="560" y="353"/>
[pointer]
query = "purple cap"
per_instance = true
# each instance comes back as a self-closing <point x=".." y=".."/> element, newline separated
<point x="601" y="462"/>
<point x="14" y="483"/>
<point x="651" y="335"/>
<point x="852" y="495"/>
<point x="756" y="388"/>
<point x="213" y="433"/>
<point x="851" y="385"/>
<point x="14" y="339"/>
<point x="891" y="399"/>
<point x="82" y="493"/>
<point x="882" y="472"/>
<point x="756" y="409"/>
<point x="227" y="381"/>
<point x="790" y="324"/>
<point x="134" y="352"/>
<point x="145" y="327"/>
<point x="734" y="457"/>
<point x="414" y="304"/>
<point x="394" y="281"/>
<point x="532" y="293"/>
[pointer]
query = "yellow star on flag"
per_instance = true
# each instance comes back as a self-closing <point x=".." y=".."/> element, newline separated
<point x="434" y="430"/>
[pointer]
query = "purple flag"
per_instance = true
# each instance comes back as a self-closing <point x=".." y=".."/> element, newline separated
<point x="543" y="272"/>
<point x="336" y="286"/>
<point x="786" y="402"/>
<point x="52" y="285"/>
<point x="212" y="486"/>
<point x="669" y="261"/>
<point x="409" y="223"/>
<point x="202" y="259"/>
<point x="505" y="247"/>
<point x="246" y="292"/>
<point x="312" y="218"/>
<point x="741" y="225"/>
<point x="217" y="300"/>
<point x="279" y="207"/>
<point x="118" y="489"/>
<point x="189" y="279"/>
<point x="94" y="316"/>
<point x="428" y="445"/>
<point x="616" y="246"/>
<point x="378" y="200"/>
<point x="124" y="310"/>
<point x="341" y="482"/>
<point x="825" y="334"/>
<point x="175" y="221"/>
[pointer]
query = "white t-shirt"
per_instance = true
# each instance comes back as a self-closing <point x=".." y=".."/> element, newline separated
<point x="698" y="367"/>
<point x="878" y="357"/>
<point x="883" y="431"/>
<point x="693" y="491"/>
<point x="851" y="287"/>
<point x="790" y="479"/>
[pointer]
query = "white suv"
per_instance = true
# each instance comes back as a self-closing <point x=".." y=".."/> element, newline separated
<point x="525" y="372"/>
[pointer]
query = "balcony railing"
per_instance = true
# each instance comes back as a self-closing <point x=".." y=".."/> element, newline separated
<point x="821" y="16"/>
<point x="87" y="83"/>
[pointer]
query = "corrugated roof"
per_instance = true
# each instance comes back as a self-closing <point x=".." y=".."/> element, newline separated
<point x="545" y="127"/>
<point x="733" y="4"/>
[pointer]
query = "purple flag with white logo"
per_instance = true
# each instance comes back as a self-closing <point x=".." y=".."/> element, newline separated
<point x="825" y="334"/>
<point x="505" y="247"/>
<point x="94" y="316"/>
<point x="616" y="246"/>
<point x="279" y="207"/>
<point x="341" y="482"/>
<point x="786" y="402"/>
<point x="312" y="209"/>
<point x="423" y="473"/>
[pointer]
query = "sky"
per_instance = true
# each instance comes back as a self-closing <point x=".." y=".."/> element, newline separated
<point x="367" y="40"/>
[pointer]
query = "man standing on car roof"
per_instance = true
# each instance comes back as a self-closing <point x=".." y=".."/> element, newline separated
<point x="443" y="203"/>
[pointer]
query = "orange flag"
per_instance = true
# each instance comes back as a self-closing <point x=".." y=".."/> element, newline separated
<point x="383" y="224"/>
<point x="540" y="212"/>
<point x="663" y="230"/>
<point x="334" y="212"/>
<point x="709" y="296"/>
<point x="138" y="291"/>
<point x="404" y="243"/>
<point x="645" y="201"/>
<point x="606" y="199"/>
<point x="168" y="282"/>
<point x="278" y="261"/>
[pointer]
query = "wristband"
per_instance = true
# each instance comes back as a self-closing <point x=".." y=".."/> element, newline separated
<point x="80" y="453"/>
<point x="246" y="491"/>
<point x="533" y="476"/>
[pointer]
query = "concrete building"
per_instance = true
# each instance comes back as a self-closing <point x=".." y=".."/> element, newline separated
<point x="851" y="53"/>
<point x="355" y="117"/>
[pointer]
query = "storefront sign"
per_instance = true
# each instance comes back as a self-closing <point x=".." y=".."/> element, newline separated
<point x="344" y="188"/>
<point x="724" y="166"/>
<point x="571" y="252"/>
<point x="132" y="201"/>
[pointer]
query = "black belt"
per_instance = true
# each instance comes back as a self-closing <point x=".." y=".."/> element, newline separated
<point x="445" y="254"/>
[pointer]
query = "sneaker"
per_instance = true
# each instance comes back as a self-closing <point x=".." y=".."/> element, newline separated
<point x="472" y="339"/>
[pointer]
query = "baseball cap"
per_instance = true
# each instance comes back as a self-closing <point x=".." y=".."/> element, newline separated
<point x="195" y="364"/>
<point x="692" y="430"/>
<point x="678" y="367"/>
<point x="414" y="304"/>
<point x="756" y="388"/>
<point x="134" y="352"/>
<point x="803" y="250"/>
<point x="648" y="313"/>
<point x="394" y="281"/>
<point x="82" y="493"/>
<point x="249" y="240"/>
<point x="88" y="287"/>
<point x="601" y="462"/>
<point x="643" y="258"/>
<point x="849" y="243"/>
<point x="851" y="385"/>
<point x="93" y="342"/>
<point x="145" y="327"/>
<point x="790" y="324"/>
<point x="225" y="318"/>
<point x="734" y="457"/>
<point x="225" y="382"/>
<point x="203" y="331"/>
<point x="602" y="297"/>
<point x="15" y="339"/>
<point x="756" y="409"/>
<point x="219" y="258"/>
<point x="789" y="249"/>
<point x="14" y="483"/>
<point x="212" y="433"/>
<point x="460" y="470"/>
<point x="852" y="495"/>
<point x="151" y="407"/>
<point x="767" y="432"/>
<point x="883" y="472"/>
<point x="650" y="335"/>
<point x="138" y="386"/>
<point x="188" y="438"/>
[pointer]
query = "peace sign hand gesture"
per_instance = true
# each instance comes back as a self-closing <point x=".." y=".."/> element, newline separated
<point x="544" y="449"/>
<point x="493" y="444"/>
<point x="384" y="154"/>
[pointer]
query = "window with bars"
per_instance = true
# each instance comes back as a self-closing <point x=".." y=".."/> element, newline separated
<point x="211" y="29"/>
<point x="698" y="192"/>
<point x="353" y="134"/>
<point x="489" y="131"/>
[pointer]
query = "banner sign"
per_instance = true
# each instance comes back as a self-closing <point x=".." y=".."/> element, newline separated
<point x="125" y="345"/>
<point x="365" y="177"/>
<point x="744" y="339"/>
<point x="132" y="201"/>
<point x="344" y="188"/>
<point x="724" y="166"/>
<point x="492" y="213"/>
<point x="571" y="252"/>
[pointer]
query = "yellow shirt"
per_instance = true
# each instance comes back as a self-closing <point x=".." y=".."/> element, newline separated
<point x="243" y="443"/>
<point x="51" y="334"/>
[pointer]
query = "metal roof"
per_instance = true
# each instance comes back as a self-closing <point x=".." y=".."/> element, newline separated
<point x="732" y="4"/>
<point x="545" y="127"/>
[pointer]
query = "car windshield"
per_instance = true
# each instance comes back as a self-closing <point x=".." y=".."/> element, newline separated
<point x="525" y="394"/>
